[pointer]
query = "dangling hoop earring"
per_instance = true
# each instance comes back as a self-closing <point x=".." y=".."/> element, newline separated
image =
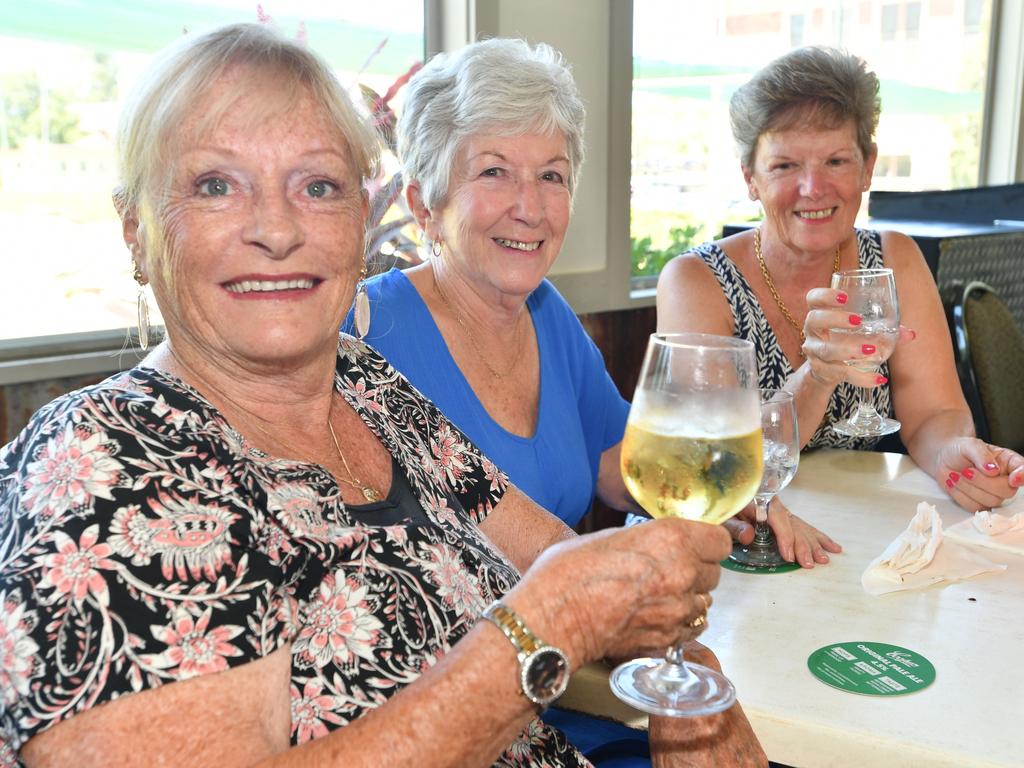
<point x="362" y="306"/>
<point x="141" y="304"/>
<point x="435" y="248"/>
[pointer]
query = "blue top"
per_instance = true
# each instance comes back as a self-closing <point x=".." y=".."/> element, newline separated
<point x="581" y="413"/>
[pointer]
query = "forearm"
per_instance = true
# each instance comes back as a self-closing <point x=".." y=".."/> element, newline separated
<point x="812" y="398"/>
<point x="925" y="441"/>
<point x="462" y="712"/>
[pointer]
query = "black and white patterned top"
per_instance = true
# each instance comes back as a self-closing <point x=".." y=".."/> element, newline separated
<point x="144" y="541"/>
<point x="773" y="367"/>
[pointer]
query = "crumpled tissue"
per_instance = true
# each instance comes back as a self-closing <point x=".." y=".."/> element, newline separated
<point x="920" y="556"/>
<point x="988" y="528"/>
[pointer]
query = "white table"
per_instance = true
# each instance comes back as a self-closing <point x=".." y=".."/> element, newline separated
<point x="764" y="627"/>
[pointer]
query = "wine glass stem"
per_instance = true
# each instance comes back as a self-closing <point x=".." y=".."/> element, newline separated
<point x="762" y="532"/>
<point x="675" y="669"/>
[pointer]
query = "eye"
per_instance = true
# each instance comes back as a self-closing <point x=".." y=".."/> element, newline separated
<point x="491" y="172"/>
<point x="320" y="188"/>
<point x="554" y="176"/>
<point x="214" y="187"/>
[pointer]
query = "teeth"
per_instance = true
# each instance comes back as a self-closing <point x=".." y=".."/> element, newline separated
<point x="249" y="286"/>
<point x="816" y="214"/>
<point x="519" y="246"/>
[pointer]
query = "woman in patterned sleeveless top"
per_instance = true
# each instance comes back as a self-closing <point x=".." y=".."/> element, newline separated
<point x="805" y="126"/>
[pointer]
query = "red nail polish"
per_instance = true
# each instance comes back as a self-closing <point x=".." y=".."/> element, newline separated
<point x="913" y="334"/>
<point x="954" y="476"/>
<point x="880" y="379"/>
<point x="1015" y="482"/>
<point x="992" y="466"/>
<point x="949" y="483"/>
<point x="842" y="298"/>
<point x="867" y="349"/>
<point x="969" y="473"/>
<point x="855" y="320"/>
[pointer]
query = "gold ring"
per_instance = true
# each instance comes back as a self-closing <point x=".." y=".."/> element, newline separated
<point x="699" y="622"/>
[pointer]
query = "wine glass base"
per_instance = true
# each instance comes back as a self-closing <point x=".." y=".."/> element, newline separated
<point x="703" y="692"/>
<point x="758" y="555"/>
<point x="883" y="426"/>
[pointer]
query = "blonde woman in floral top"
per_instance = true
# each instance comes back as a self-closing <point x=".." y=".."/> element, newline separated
<point x="262" y="546"/>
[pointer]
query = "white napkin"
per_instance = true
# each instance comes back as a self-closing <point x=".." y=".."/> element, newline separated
<point x="990" y="529"/>
<point x="919" y="557"/>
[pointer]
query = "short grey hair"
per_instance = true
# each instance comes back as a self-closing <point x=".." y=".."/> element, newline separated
<point x="501" y="86"/>
<point x="813" y="85"/>
<point x="149" y="135"/>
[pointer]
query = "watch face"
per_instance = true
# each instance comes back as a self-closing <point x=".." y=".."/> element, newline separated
<point x="546" y="675"/>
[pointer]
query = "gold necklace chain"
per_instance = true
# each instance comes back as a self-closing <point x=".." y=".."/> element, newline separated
<point x="775" y="292"/>
<point x="472" y="337"/>
<point x="370" y="493"/>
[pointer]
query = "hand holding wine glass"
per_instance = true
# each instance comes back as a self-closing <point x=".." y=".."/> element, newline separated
<point x="692" y="449"/>
<point x="872" y="295"/>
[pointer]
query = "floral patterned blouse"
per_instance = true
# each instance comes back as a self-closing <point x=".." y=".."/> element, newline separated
<point x="143" y="541"/>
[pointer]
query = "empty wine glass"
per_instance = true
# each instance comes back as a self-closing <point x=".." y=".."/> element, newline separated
<point x="692" y="449"/>
<point x="872" y="295"/>
<point x="781" y="451"/>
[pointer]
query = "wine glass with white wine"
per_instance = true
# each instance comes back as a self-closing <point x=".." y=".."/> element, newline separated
<point x="781" y="452"/>
<point x="692" y="449"/>
<point x="872" y="295"/>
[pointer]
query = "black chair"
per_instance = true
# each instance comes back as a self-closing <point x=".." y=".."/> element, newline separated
<point x="989" y="350"/>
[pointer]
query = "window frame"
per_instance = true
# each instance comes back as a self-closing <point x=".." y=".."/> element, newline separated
<point x="450" y="24"/>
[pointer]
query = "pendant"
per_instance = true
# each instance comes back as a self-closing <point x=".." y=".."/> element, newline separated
<point x="370" y="494"/>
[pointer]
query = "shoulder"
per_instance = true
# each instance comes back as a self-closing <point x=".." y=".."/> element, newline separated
<point x="690" y="296"/>
<point x="901" y="252"/>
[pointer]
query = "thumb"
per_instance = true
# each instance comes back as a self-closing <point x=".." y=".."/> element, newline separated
<point x="740" y="531"/>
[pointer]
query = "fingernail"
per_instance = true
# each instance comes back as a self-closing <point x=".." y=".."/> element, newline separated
<point x="991" y="466"/>
<point x="949" y="483"/>
<point x="969" y="473"/>
<point x="1015" y="481"/>
<point x="913" y="334"/>
<point x="842" y="298"/>
<point x="855" y="320"/>
<point x="867" y="349"/>
<point x="954" y="476"/>
<point x="880" y="379"/>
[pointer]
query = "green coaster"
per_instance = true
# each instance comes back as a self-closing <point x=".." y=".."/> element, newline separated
<point x="873" y="669"/>
<point x="731" y="565"/>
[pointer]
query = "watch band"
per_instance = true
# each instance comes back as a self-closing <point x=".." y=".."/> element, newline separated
<point x="540" y="685"/>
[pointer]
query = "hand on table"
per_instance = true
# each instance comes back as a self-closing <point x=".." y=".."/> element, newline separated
<point x="705" y="742"/>
<point x="798" y="540"/>
<point x="977" y="475"/>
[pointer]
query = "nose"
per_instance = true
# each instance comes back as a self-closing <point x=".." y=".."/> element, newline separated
<point x="273" y="226"/>
<point x="811" y="183"/>
<point x="529" y="203"/>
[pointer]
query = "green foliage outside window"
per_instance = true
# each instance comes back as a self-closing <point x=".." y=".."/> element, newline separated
<point x="649" y="260"/>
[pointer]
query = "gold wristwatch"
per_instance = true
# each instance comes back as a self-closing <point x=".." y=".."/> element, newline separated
<point x="543" y="669"/>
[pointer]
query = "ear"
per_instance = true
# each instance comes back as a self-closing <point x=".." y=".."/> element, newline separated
<point x="869" y="167"/>
<point x="131" y="231"/>
<point x="748" y="177"/>
<point x="423" y="215"/>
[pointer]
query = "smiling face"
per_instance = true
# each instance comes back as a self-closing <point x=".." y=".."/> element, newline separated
<point x="264" y="233"/>
<point x="507" y="210"/>
<point x="810" y="181"/>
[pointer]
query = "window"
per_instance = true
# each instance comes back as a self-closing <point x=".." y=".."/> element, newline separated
<point x="686" y="181"/>
<point x="64" y="68"/>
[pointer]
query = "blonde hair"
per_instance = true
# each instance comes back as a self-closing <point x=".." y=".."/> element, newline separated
<point x="149" y="135"/>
